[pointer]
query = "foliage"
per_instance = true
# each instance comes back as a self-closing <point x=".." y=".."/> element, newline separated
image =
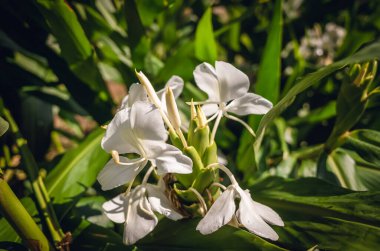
<point x="315" y="159"/>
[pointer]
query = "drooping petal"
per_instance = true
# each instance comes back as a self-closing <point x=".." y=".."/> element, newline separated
<point x="210" y="109"/>
<point x="115" y="209"/>
<point x="220" y="213"/>
<point x="232" y="82"/>
<point x="147" y="123"/>
<point x="160" y="203"/>
<point x="250" y="103"/>
<point x="250" y="218"/>
<point x="176" y="84"/>
<point x="140" y="220"/>
<point x="171" y="160"/>
<point x="114" y="175"/>
<point x="118" y="135"/>
<point x="206" y="79"/>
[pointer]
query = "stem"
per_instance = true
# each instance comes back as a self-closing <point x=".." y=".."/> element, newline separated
<point x="217" y="121"/>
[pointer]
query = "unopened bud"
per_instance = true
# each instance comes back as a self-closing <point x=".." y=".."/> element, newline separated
<point x="201" y="117"/>
<point x="149" y="89"/>
<point x="193" y="112"/>
<point x="172" y="109"/>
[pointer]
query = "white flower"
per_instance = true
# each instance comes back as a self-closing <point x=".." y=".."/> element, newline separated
<point x="136" y="211"/>
<point x="139" y="130"/>
<point x="227" y="89"/>
<point x="253" y="215"/>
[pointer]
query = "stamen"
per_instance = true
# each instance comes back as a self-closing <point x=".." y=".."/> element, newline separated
<point x="201" y="200"/>
<point x="213" y="117"/>
<point x="116" y="158"/>
<point x="226" y="171"/>
<point x="217" y="184"/>
<point x="241" y="122"/>
<point x="148" y="173"/>
<point x="104" y="127"/>
<point x="217" y="121"/>
<point x="202" y="102"/>
<point x="141" y="206"/>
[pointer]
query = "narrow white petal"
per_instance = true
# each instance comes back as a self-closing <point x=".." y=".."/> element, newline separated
<point x="206" y="80"/>
<point x="119" y="135"/>
<point x="220" y="213"/>
<point x="210" y="109"/>
<point x="115" y="209"/>
<point x="250" y="218"/>
<point x="147" y="123"/>
<point x="172" y="160"/>
<point x="176" y="84"/>
<point x="232" y="82"/>
<point x="250" y="103"/>
<point x="140" y="221"/>
<point x="160" y="203"/>
<point x="114" y="175"/>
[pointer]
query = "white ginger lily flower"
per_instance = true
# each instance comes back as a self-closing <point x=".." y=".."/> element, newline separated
<point x="252" y="215"/>
<point x="227" y="90"/>
<point x="137" y="92"/>
<point x="136" y="211"/>
<point x="139" y="130"/>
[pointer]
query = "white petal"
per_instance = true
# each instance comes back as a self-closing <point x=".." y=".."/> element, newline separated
<point x="172" y="160"/>
<point x="147" y="123"/>
<point x="137" y="93"/>
<point x="139" y="223"/>
<point x="250" y="103"/>
<point x="176" y="84"/>
<point x="115" y="208"/>
<point x="220" y="213"/>
<point x="210" y="109"/>
<point x="206" y="80"/>
<point x="114" y="175"/>
<point x="160" y="203"/>
<point x="119" y="135"/>
<point x="249" y="217"/>
<point x="232" y="82"/>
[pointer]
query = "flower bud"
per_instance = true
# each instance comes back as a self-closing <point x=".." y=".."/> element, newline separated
<point x="149" y="89"/>
<point x="172" y="109"/>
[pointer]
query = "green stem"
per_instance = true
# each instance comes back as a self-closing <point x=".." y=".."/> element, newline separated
<point x="43" y="200"/>
<point x="19" y="218"/>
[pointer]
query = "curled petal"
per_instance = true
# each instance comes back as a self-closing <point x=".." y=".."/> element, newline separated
<point x="249" y="217"/>
<point x="232" y="82"/>
<point x="220" y="213"/>
<point x="114" y="175"/>
<point x="206" y="79"/>
<point x="172" y="160"/>
<point x="160" y="203"/>
<point x="140" y="219"/>
<point x="136" y="93"/>
<point x="119" y="136"/>
<point x="115" y="209"/>
<point x="250" y="103"/>
<point x="176" y="84"/>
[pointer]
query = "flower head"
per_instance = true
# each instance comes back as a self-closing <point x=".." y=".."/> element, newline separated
<point x="136" y="211"/>
<point x="252" y="215"/>
<point x="139" y="130"/>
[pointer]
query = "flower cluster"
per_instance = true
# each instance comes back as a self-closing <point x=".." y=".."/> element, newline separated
<point x="188" y="168"/>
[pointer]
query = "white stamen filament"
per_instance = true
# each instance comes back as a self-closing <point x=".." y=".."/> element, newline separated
<point x="116" y="158"/>
<point x="216" y="124"/>
<point x="217" y="184"/>
<point x="225" y="170"/>
<point x="201" y="200"/>
<point x="141" y="206"/>
<point x="241" y="122"/>
<point x="213" y="117"/>
<point x="203" y="102"/>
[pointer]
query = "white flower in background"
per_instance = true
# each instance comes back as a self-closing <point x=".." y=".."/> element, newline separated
<point x="227" y="89"/>
<point x="252" y="215"/>
<point x="136" y="211"/>
<point x="139" y="130"/>
<point x="137" y="92"/>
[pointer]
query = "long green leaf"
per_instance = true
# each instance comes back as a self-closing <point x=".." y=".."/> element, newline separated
<point x="368" y="53"/>
<point x="317" y="213"/>
<point x="77" y="170"/>
<point x="205" y="45"/>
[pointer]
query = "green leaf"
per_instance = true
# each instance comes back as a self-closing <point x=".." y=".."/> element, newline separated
<point x="77" y="170"/>
<point x="267" y="85"/>
<point x="4" y="125"/>
<point x="149" y="10"/>
<point x="318" y="213"/>
<point x="185" y="237"/>
<point x="368" y="53"/>
<point x="205" y="45"/>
